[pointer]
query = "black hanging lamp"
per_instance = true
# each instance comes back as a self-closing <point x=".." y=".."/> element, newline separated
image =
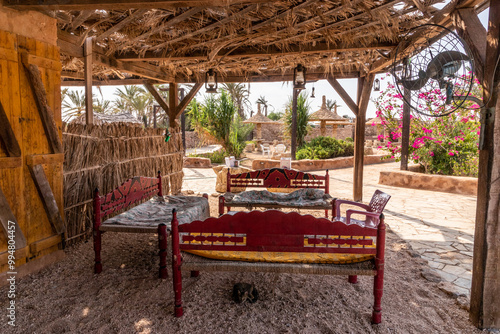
<point x="211" y="81"/>
<point x="299" y="77"/>
<point x="376" y="85"/>
<point x="312" y="94"/>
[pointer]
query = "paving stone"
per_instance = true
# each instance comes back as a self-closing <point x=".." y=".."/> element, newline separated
<point x="463" y="282"/>
<point x="436" y="265"/>
<point x="447" y="276"/>
<point x="431" y="275"/>
<point x="455" y="270"/>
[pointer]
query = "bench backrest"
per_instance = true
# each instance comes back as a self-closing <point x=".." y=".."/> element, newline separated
<point x="278" y="178"/>
<point x="130" y="192"/>
<point x="275" y="231"/>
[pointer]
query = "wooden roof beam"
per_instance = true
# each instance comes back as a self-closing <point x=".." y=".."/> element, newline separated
<point x="78" y="20"/>
<point x="158" y="98"/>
<point x="258" y="52"/>
<point x="343" y="94"/>
<point x="271" y="76"/>
<point x="117" y="4"/>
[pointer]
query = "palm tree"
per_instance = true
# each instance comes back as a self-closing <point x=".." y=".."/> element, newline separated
<point x="330" y="104"/>
<point x="262" y="100"/>
<point x="75" y="107"/>
<point x="136" y="100"/>
<point x="303" y="106"/>
<point x="239" y="94"/>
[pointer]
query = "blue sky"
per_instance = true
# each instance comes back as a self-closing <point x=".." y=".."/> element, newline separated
<point x="278" y="93"/>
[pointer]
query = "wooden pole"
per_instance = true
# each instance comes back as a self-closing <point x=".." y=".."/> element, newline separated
<point x="154" y="116"/>
<point x="294" y="124"/>
<point x="485" y="290"/>
<point x="173" y="101"/>
<point x="359" y="138"/>
<point x="183" y="121"/>
<point x="87" y="62"/>
<point x="405" y="136"/>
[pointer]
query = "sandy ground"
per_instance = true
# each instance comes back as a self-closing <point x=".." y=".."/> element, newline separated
<point x="127" y="297"/>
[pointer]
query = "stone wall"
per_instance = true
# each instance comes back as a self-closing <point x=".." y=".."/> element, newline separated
<point x="193" y="140"/>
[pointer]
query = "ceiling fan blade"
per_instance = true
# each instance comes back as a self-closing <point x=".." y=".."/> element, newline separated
<point x="435" y="69"/>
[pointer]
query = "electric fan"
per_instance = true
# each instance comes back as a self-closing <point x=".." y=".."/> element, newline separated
<point x="434" y="79"/>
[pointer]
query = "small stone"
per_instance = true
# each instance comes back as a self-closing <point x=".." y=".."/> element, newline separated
<point x="463" y="302"/>
<point x="413" y="253"/>
<point x="452" y="290"/>
<point x="215" y="195"/>
<point x="430" y="275"/>
<point x="189" y="192"/>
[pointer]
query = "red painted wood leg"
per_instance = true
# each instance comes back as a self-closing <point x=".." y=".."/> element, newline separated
<point x="378" y="289"/>
<point x="326" y="214"/>
<point x="221" y="205"/>
<point x="195" y="273"/>
<point x="97" y="251"/>
<point x="162" y="244"/>
<point x="353" y="279"/>
<point x="176" y="266"/>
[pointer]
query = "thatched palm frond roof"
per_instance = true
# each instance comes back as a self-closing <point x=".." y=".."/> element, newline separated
<point x="240" y="39"/>
<point x="323" y="114"/>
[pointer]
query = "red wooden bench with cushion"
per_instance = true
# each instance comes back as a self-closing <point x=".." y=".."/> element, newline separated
<point x="312" y="190"/>
<point x="143" y="218"/>
<point x="276" y="231"/>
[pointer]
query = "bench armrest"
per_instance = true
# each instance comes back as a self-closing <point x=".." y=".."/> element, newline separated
<point x="374" y="215"/>
<point x="339" y="202"/>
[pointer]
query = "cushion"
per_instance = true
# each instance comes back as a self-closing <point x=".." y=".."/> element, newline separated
<point x="299" y="198"/>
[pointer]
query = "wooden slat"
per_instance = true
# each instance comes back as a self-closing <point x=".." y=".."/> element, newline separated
<point x="87" y="61"/>
<point x="46" y="63"/>
<point x="8" y="54"/>
<point x="44" y="110"/>
<point x="343" y="94"/>
<point x="9" y="221"/>
<point x="128" y="229"/>
<point x="45" y="159"/>
<point x="472" y="31"/>
<point x="45" y="243"/>
<point x="82" y="17"/>
<point x="19" y="254"/>
<point x="158" y="98"/>
<point x="10" y="162"/>
<point x="185" y="101"/>
<point x="359" y="138"/>
<point x="47" y="197"/>
<point x="117" y="82"/>
<point x="7" y="135"/>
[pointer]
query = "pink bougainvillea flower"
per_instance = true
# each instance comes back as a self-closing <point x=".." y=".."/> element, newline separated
<point x="451" y="153"/>
<point x="431" y="153"/>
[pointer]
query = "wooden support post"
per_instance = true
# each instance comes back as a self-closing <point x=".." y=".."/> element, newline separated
<point x="485" y="290"/>
<point x="343" y="94"/>
<point x="87" y="62"/>
<point x="173" y="101"/>
<point x="158" y="98"/>
<point x="154" y="116"/>
<point x="294" y="124"/>
<point x="7" y="135"/>
<point x="183" y="121"/>
<point x="359" y="138"/>
<point x="470" y="29"/>
<point x="405" y="136"/>
<point x="40" y="96"/>
<point x="48" y="199"/>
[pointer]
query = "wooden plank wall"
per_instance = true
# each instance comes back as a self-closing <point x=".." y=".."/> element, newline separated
<point x="20" y="107"/>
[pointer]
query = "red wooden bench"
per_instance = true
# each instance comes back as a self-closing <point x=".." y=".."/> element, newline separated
<point x="275" y="178"/>
<point x="276" y="231"/>
<point x="143" y="218"/>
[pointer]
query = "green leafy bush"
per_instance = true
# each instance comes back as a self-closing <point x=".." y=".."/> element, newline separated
<point x="216" y="157"/>
<point x="325" y="148"/>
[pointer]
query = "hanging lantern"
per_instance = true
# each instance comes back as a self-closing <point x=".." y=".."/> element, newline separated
<point x="211" y="81"/>
<point x="312" y="94"/>
<point x="299" y="77"/>
<point x="376" y="85"/>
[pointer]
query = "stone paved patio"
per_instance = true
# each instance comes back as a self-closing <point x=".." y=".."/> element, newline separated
<point x="438" y="226"/>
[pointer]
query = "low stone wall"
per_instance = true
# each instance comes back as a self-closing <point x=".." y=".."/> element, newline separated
<point x="311" y="165"/>
<point x="450" y="184"/>
<point x="342" y="132"/>
<point x="196" y="162"/>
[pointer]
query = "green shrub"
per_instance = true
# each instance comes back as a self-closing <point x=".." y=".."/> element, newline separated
<point x="216" y="157"/>
<point x="349" y="139"/>
<point x="325" y="148"/>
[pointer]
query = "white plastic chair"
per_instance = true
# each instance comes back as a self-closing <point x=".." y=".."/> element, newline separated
<point x="279" y="149"/>
<point x="265" y="149"/>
